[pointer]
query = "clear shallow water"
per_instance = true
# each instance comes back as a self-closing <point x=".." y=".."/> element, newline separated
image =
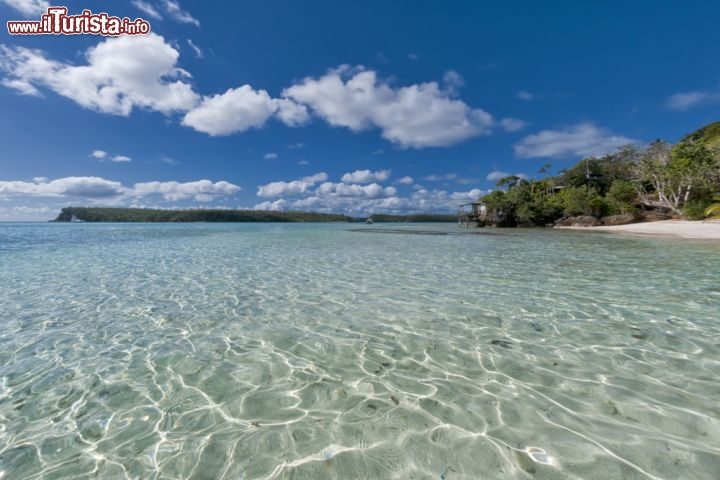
<point x="243" y="351"/>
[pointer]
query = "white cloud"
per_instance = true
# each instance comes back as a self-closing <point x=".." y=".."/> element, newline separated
<point x="240" y="109"/>
<point x="686" y="100"/>
<point x="365" y="176"/>
<point x="406" y="180"/>
<point x="172" y="7"/>
<point x="270" y="156"/>
<point x="496" y="175"/>
<point x="200" y="190"/>
<point x="295" y="187"/>
<point x="121" y="73"/>
<point x="98" y="154"/>
<point x="196" y="49"/>
<point x="147" y="9"/>
<point x="525" y="95"/>
<point x="303" y="162"/>
<point x="296" y="146"/>
<point x="512" y="124"/>
<point x="341" y="189"/>
<point x="233" y="111"/>
<point x="276" y="206"/>
<point x="121" y="158"/>
<point x="88" y="187"/>
<point x="440" y="178"/>
<point x="413" y="56"/>
<point x="416" y="116"/>
<point x="28" y="8"/>
<point x="291" y="113"/>
<point x="581" y="140"/>
<point x="22" y="86"/>
<point x="356" y="199"/>
<point x="453" y="81"/>
<point x="96" y="188"/>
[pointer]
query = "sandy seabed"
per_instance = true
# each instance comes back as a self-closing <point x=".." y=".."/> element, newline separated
<point x="707" y="229"/>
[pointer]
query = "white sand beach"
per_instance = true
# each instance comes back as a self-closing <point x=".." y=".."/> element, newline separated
<point x="707" y="229"/>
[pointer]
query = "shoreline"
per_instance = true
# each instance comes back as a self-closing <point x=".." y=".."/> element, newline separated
<point x="700" y="229"/>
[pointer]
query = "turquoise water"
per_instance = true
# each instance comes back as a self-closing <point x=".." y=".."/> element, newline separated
<point x="245" y="351"/>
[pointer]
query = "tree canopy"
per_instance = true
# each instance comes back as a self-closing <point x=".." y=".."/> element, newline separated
<point x="680" y="180"/>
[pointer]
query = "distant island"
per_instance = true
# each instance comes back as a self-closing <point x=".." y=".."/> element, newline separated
<point x="658" y="181"/>
<point x="92" y="214"/>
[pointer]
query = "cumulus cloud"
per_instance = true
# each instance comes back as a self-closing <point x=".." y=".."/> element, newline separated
<point x="236" y="110"/>
<point x="270" y="156"/>
<point x="200" y="190"/>
<point x="416" y="116"/>
<point x="365" y="176"/>
<point x="291" y="113"/>
<point x="496" y="175"/>
<point x="277" y="189"/>
<point x="581" y="140"/>
<point x="102" y="155"/>
<point x="240" y="109"/>
<point x="525" y="95"/>
<point x="121" y="73"/>
<point x="173" y="9"/>
<point x="453" y="81"/>
<point x="128" y="72"/>
<point x="441" y="178"/>
<point x="406" y="180"/>
<point x="97" y="188"/>
<point x="28" y="8"/>
<point x="512" y="124"/>
<point x="341" y="189"/>
<point x="147" y="9"/>
<point x="686" y="100"/>
<point x="359" y="199"/>
<point x="88" y="187"/>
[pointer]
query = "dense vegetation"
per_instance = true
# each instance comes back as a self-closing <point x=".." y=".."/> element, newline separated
<point x="149" y="215"/>
<point x="680" y="180"/>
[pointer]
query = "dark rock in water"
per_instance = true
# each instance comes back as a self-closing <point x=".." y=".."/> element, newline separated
<point x="610" y="407"/>
<point x="394" y="399"/>
<point x="537" y="326"/>
<point x="524" y="461"/>
<point x="623" y="219"/>
<point x="655" y="216"/>
<point x="502" y="343"/>
<point x="581" y="221"/>
<point x="585" y="221"/>
<point x="639" y="334"/>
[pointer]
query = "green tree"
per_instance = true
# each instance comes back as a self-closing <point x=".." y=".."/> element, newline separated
<point x="670" y="177"/>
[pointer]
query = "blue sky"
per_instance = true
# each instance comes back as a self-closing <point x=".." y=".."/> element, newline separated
<point x="349" y="107"/>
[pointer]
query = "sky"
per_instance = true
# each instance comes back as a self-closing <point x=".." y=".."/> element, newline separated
<point x="345" y="107"/>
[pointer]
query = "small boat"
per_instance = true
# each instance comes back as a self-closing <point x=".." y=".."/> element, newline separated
<point x="369" y="221"/>
<point x="75" y="219"/>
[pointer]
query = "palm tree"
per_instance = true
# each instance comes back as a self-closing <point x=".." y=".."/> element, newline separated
<point x="714" y="208"/>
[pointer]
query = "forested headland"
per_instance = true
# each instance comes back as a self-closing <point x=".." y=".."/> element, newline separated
<point x="106" y="214"/>
<point x="655" y="181"/>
